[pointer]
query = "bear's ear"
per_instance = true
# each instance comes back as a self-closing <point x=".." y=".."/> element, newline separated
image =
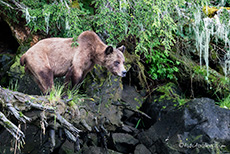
<point x="121" y="48"/>
<point x="108" y="50"/>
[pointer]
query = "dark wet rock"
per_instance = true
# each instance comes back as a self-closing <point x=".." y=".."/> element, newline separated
<point x="124" y="143"/>
<point x="6" y="60"/>
<point x="98" y="150"/>
<point x="199" y="126"/>
<point x="66" y="148"/>
<point x="105" y="89"/>
<point x="27" y="85"/>
<point x="129" y="129"/>
<point x="132" y="97"/>
<point x="202" y="114"/>
<point x="132" y="100"/>
<point x="127" y="114"/>
<point x="35" y="141"/>
<point x="8" y="49"/>
<point x="101" y="84"/>
<point x="141" y="149"/>
<point x="93" y="139"/>
<point x="163" y="100"/>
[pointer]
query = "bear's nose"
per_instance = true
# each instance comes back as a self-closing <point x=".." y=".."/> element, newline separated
<point x="124" y="73"/>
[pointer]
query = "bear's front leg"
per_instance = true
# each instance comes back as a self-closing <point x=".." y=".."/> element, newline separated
<point x="77" y="76"/>
<point x="68" y="76"/>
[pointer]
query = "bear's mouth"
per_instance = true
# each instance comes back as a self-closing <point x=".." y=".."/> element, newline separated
<point x="118" y="74"/>
<point x="115" y="73"/>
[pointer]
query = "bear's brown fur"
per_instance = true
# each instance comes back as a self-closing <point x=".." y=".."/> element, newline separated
<point x="56" y="57"/>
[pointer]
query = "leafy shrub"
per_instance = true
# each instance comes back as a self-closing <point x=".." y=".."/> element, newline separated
<point x="151" y="24"/>
<point x="56" y="19"/>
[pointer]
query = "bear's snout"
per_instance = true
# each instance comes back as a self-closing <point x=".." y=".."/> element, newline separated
<point x="124" y="73"/>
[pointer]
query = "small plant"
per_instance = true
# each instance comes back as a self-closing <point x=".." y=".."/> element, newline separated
<point x="56" y="94"/>
<point x="59" y="93"/>
<point x="13" y="85"/>
<point x="75" y="97"/>
<point x="140" y="123"/>
<point x="225" y="103"/>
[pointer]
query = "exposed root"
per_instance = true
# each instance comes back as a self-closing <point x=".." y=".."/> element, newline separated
<point x="16" y="103"/>
<point x="11" y="128"/>
<point x="74" y="139"/>
<point x="43" y="122"/>
<point x="38" y="111"/>
<point x="67" y="125"/>
<point x="16" y="114"/>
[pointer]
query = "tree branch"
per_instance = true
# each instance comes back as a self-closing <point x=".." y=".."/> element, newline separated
<point x="8" y="5"/>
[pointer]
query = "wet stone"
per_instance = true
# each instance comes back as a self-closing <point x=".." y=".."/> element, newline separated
<point x="124" y="143"/>
<point x="141" y="149"/>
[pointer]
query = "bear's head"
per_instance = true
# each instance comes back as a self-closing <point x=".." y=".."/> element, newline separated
<point x="114" y="60"/>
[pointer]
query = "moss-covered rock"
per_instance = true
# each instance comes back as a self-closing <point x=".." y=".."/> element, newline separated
<point x="132" y="97"/>
<point x="195" y="81"/>
<point x="197" y="127"/>
<point x="163" y="99"/>
<point x="133" y="63"/>
<point x="105" y="89"/>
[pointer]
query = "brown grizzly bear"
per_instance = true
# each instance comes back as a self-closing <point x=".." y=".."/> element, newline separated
<point x="56" y="57"/>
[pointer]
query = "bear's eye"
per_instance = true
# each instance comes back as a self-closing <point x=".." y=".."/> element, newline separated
<point x="116" y="63"/>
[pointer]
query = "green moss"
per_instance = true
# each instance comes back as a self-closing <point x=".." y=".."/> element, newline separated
<point x="168" y="92"/>
<point x="166" y="89"/>
<point x="71" y="104"/>
<point x="8" y="125"/>
<point x="213" y="53"/>
<point x="211" y="11"/>
<point x="16" y="72"/>
<point x="116" y="79"/>
<point x="21" y="114"/>
<point x="135" y="59"/>
<point x="139" y="101"/>
<point x="222" y="86"/>
<point x="215" y="83"/>
<point x="75" y="4"/>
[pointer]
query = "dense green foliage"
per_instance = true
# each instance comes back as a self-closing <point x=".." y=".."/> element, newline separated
<point x="56" y="19"/>
<point x="148" y="22"/>
<point x="153" y="25"/>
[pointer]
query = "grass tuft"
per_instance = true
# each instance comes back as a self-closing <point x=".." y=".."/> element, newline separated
<point x="225" y="103"/>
